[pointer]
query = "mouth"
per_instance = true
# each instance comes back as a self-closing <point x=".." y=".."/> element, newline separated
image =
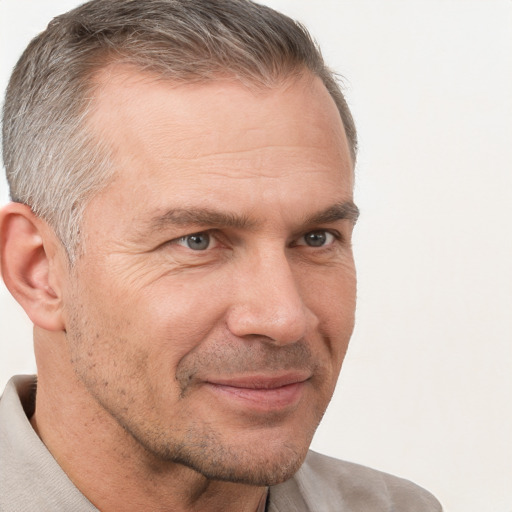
<point x="261" y="393"/>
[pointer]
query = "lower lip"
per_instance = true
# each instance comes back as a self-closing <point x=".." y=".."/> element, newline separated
<point x="273" y="399"/>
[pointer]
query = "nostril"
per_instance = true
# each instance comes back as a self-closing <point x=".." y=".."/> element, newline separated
<point x="281" y="325"/>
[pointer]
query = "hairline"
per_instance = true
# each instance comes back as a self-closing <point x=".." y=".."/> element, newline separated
<point x="69" y="142"/>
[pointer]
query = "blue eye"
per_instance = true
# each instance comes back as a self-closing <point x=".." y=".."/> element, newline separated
<point x="196" y="242"/>
<point x="316" y="239"/>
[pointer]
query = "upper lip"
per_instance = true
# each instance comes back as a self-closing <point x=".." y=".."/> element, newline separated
<point x="260" y="381"/>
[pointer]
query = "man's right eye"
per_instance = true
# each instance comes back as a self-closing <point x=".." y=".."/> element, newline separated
<point x="197" y="241"/>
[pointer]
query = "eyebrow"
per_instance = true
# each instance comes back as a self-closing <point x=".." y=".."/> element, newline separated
<point x="201" y="216"/>
<point x="215" y="218"/>
<point x="346" y="210"/>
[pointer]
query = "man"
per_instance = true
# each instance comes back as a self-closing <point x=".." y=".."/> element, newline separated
<point x="180" y="236"/>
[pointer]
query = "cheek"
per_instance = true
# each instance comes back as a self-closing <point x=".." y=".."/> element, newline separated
<point x="331" y="295"/>
<point x="170" y="320"/>
<point x="143" y="327"/>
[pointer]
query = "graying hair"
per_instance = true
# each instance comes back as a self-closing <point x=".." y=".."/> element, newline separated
<point x="54" y="163"/>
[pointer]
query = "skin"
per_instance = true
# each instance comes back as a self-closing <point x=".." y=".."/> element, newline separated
<point x="172" y="378"/>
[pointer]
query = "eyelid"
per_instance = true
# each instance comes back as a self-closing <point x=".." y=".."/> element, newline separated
<point x="336" y="236"/>
<point x="182" y="240"/>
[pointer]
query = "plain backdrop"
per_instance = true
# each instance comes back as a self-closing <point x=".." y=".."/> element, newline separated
<point x="426" y="388"/>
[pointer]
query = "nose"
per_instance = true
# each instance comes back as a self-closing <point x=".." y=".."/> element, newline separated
<point x="267" y="301"/>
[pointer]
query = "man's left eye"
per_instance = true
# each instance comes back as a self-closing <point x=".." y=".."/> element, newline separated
<point x="316" y="239"/>
<point x="197" y="241"/>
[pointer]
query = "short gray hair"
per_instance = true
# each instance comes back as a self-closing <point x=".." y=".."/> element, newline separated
<point x="54" y="163"/>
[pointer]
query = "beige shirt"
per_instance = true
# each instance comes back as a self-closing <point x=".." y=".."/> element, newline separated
<point x="31" y="479"/>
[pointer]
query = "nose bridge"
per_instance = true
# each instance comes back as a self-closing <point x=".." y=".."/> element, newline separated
<point x="267" y="301"/>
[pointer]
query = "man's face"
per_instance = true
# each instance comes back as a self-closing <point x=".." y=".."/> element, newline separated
<point x="212" y="308"/>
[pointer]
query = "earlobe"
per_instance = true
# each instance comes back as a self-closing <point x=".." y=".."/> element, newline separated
<point x="27" y="248"/>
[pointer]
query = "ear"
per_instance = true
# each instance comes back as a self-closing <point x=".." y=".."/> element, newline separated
<point x="29" y="254"/>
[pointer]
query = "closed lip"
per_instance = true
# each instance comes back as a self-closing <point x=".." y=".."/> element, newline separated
<point x="260" y="393"/>
<point x="260" y="381"/>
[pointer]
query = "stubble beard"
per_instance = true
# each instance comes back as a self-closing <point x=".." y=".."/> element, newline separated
<point x="207" y="450"/>
<point x="201" y="446"/>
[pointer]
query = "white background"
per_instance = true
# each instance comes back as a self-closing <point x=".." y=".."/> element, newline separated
<point x="426" y="389"/>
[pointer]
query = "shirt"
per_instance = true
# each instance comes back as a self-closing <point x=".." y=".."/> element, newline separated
<point x="32" y="480"/>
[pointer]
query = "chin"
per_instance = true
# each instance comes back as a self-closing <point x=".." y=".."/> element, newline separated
<point x="263" y="466"/>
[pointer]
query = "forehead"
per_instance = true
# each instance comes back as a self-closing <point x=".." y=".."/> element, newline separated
<point x="171" y="141"/>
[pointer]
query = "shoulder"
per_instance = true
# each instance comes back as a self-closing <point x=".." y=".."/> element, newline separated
<point x="327" y="484"/>
<point x="30" y="478"/>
